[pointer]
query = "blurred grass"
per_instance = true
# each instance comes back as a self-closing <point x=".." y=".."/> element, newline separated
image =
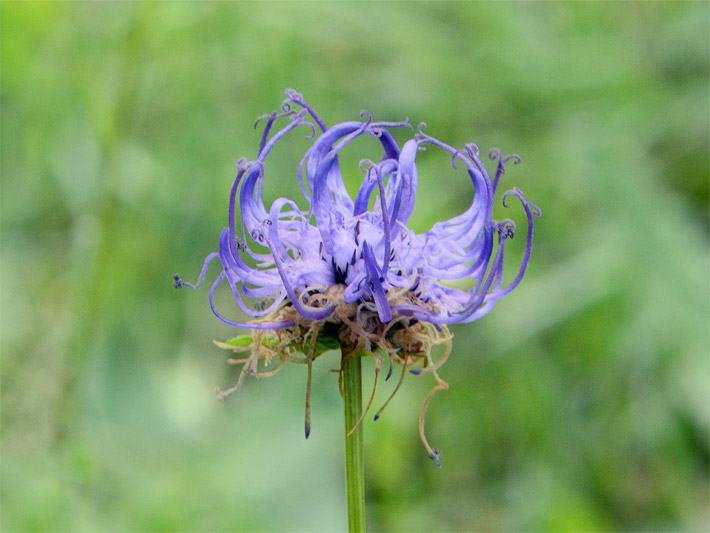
<point x="580" y="403"/>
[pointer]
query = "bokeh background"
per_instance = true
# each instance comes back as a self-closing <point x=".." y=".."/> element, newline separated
<point x="579" y="403"/>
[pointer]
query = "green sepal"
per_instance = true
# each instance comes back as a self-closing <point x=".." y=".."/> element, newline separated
<point x="270" y="341"/>
<point x="240" y="340"/>
<point x="325" y="343"/>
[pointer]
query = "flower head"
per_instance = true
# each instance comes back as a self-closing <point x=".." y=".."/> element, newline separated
<point x="351" y="267"/>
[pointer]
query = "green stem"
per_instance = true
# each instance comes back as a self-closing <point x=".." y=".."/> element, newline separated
<point x="354" y="449"/>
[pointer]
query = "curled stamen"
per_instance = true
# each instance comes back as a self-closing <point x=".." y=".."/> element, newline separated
<point x="274" y="115"/>
<point x="434" y="453"/>
<point x="389" y="371"/>
<point x="291" y="96"/>
<point x="379" y="130"/>
<point x="399" y="384"/>
<point x="472" y="150"/>
<point x="534" y="208"/>
<point x="366" y="165"/>
<point x="443" y="337"/>
<point x="296" y="120"/>
<point x="497" y="154"/>
<point x="313" y="133"/>
<point x="460" y="154"/>
<point x="267" y="373"/>
<point x="378" y="367"/>
<point x="506" y="228"/>
<point x="297" y="98"/>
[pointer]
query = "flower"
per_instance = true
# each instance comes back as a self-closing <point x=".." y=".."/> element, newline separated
<point x="352" y="268"/>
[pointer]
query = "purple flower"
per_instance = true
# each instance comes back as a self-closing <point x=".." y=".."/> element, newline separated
<point x="336" y="261"/>
<point x="370" y="253"/>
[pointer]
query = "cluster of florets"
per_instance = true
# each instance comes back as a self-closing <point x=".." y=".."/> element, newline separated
<point x="351" y="269"/>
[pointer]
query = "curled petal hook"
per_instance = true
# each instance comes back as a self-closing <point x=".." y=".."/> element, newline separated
<point x="241" y="163"/>
<point x="313" y="133"/>
<point x="265" y="116"/>
<point x="514" y="191"/>
<point x="460" y="154"/>
<point x="291" y="96"/>
<point x="295" y="97"/>
<point x="472" y="150"/>
<point x="366" y="165"/>
<point x="534" y="208"/>
<point x="515" y="158"/>
<point x="249" y="165"/>
<point x="378" y="129"/>
<point x="367" y="116"/>
<point x="497" y="154"/>
<point x="271" y="116"/>
<point x="505" y="228"/>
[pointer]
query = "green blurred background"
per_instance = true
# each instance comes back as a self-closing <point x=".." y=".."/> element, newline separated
<point x="579" y="403"/>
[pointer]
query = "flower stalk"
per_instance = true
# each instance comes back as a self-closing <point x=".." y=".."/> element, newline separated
<point x="354" y="447"/>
